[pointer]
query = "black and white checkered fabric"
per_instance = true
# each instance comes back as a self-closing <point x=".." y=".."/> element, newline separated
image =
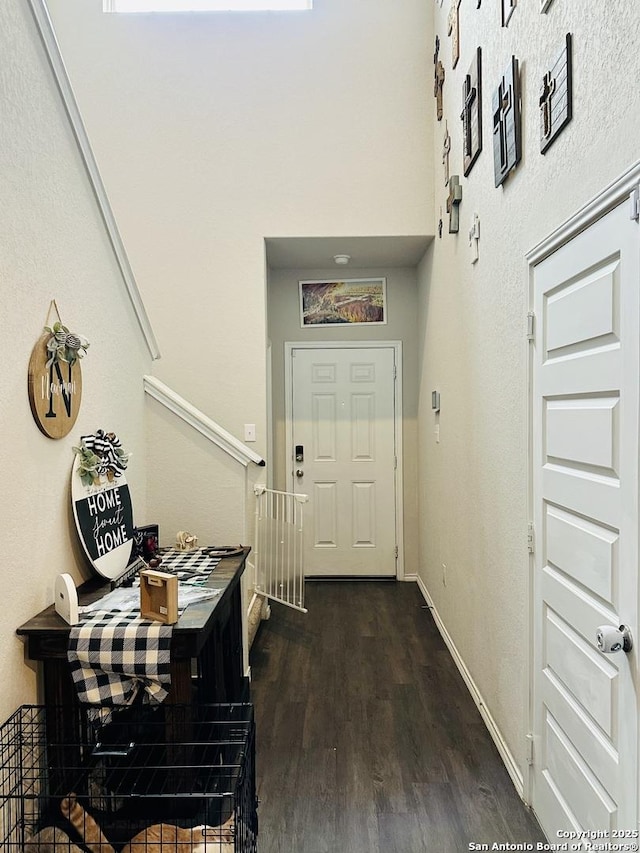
<point x="113" y="656"/>
<point x="192" y="567"/>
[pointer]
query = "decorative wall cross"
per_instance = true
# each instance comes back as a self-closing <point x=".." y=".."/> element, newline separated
<point x="507" y="143"/>
<point x="453" y="30"/>
<point x="471" y="114"/>
<point x="469" y="94"/>
<point x="556" y="97"/>
<point x="474" y="237"/>
<point x="438" y="81"/>
<point x="546" y="93"/>
<point x="508" y="7"/>
<point x="453" y="202"/>
<point x="446" y="148"/>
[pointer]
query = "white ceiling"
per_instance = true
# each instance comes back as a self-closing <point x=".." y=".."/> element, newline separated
<point x="366" y="252"/>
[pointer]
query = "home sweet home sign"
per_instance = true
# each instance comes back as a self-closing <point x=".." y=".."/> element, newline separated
<point x="102" y="505"/>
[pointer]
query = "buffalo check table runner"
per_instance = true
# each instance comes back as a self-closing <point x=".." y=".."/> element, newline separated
<point x="114" y="656"/>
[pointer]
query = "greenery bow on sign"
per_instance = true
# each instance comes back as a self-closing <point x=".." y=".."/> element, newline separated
<point x="64" y="345"/>
<point x="100" y="454"/>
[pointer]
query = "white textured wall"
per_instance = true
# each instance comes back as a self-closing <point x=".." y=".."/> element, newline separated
<point x="402" y="325"/>
<point x="214" y="131"/>
<point x="53" y="245"/>
<point x="474" y="483"/>
<point x="196" y="486"/>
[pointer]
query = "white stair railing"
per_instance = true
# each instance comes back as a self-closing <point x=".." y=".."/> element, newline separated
<point x="279" y="546"/>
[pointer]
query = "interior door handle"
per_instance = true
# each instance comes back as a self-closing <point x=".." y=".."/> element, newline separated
<point x="611" y="639"/>
<point x="299" y="472"/>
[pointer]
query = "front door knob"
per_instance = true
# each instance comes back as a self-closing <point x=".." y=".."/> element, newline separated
<point x="611" y="639"/>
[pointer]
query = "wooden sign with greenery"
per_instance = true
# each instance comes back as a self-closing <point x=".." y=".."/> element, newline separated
<point x="55" y="378"/>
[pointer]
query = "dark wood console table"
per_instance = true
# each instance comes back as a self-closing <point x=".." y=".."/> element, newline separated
<point x="206" y="646"/>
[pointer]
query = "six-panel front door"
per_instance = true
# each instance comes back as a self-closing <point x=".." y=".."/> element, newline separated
<point x="585" y="495"/>
<point x="343" y="427"/>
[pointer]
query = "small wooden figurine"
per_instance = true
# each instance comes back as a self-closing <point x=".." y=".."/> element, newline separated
<point x="507" y="142"/>
<point x="453" y="203"/>
<point x="438" y="82"/>
<point x="556" y="97"/>
<point x="186" y="541"/>
<point x="472" y="114"/>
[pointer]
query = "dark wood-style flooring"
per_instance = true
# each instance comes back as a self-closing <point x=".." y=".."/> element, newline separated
<point x="367" y="738"/>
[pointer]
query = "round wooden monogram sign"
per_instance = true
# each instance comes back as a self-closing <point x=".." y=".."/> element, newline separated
<point x="55" y="390"/>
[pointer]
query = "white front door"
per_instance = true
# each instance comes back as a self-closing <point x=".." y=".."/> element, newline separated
<point x="342" y="432"/>
<point x="585" y="498"/>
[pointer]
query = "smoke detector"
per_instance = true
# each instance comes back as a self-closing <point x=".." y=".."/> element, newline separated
<point x="342" y="259"/>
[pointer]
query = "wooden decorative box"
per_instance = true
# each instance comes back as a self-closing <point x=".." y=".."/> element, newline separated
<point x="159" y="596"/>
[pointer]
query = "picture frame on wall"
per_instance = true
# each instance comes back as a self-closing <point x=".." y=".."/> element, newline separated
<point x="348" y="302"/>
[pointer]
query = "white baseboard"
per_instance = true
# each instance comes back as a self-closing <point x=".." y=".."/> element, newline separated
<point x="505" y="753"/>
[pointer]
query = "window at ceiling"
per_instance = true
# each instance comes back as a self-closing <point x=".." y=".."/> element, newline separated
<point x="205" y="5"/>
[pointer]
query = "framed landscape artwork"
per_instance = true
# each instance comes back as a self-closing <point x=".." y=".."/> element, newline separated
<point x="340" y="303"/>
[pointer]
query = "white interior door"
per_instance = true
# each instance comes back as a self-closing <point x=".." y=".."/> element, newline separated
<point x="585" y="496"/>
<point x="343" y="425"/>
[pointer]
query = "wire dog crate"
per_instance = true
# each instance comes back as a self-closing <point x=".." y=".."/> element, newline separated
<point x="166" y="778"/>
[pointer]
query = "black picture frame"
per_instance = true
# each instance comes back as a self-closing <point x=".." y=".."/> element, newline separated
<point x="146" y="541"/>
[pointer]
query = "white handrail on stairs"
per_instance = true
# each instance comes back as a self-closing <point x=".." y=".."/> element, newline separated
<point x="200" y="422"/>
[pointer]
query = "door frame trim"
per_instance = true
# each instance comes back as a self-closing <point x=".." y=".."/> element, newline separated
<point x="396" y="346"/>
<point x="608" y="198"/>
<point x="600" y="205"/>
